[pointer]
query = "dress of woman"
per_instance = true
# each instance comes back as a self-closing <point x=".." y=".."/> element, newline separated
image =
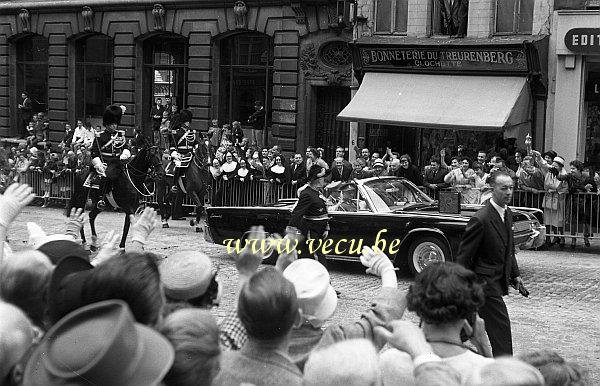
<point x="229" y="173"/>
<point x="242" y="182"/>
<point x="215" y="172"/>
<point x="462" y="180"/>
<point x="554" y="199"/>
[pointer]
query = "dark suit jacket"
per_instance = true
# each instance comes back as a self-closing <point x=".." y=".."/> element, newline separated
<point x="156" y="121"/>
<point x="26" y="110"/>
<point x="298" y="173"/>
<point x="488" y="249"/>
<point x="344" y="176"/>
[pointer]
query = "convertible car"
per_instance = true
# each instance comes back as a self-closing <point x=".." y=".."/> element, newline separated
<point x="389" y="212"/>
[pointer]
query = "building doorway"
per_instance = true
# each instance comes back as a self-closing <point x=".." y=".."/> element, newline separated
<point x="165" y="74"/>
<point x="329" y="132"/>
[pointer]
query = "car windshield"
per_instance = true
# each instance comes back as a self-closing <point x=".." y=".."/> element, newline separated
<point x="395" y="193"/>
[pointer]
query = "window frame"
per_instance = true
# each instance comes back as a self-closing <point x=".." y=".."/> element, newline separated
<point x="394" y="7"/>
<point x="515" y="22"/>
<point x="233" y="64"/>
<point x="81" y="65"/>
<point x="21" y="62"/>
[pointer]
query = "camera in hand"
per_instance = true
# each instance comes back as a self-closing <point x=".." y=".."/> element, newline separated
<point x="553" y="170"/>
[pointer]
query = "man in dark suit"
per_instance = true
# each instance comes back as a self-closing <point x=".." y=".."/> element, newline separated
<point x="25" y="109"/>
<point x="434" y="177"/>
<point x="340" y="171"/>
<point x="257" y="119"/>
<point x="156" y="115"/>
<point x="298" y="171"/>
<point x="488" y="249"/>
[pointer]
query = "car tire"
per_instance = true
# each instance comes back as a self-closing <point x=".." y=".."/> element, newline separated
<point x="425" y="250"/>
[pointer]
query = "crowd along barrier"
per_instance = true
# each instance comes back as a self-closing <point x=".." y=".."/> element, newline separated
<point x="566" y="215"/>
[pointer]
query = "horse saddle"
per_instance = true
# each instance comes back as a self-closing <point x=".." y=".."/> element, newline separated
<point x="93" y="181"/>
<point x="185" y="160"/>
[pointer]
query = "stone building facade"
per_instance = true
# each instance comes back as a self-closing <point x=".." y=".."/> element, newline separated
<point x="215" y="58"/>
<point x="419" y="24"/>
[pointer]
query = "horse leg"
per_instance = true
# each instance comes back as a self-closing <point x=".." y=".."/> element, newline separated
<point x="93" y="213"/>
<point x="126" y="225"/>
<point x="199" y="210"/>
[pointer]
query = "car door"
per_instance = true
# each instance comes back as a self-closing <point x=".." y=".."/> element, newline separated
<point x="351" y="228"/>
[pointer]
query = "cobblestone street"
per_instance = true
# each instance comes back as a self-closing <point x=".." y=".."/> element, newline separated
<point x="562" y="312"/>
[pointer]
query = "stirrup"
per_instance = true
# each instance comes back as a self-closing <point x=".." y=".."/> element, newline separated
<point x="101" y="205"/>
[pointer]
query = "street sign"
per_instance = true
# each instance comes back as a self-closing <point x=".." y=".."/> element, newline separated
<point x="583" y="40"/>
<point x="456" y="59"/>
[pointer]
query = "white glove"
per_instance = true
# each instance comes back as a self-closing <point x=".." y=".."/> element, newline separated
<point x="142" y="228"/>
<point x="14" y="199"/>
<point x="376" y="261"/>
<point x="125" y="154"/>
<point x="99" y="166"/>
<point x="177" y="162"/>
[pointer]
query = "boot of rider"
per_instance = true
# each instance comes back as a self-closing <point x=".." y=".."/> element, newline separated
<point x="176" y="174"/>
<point x="105" y="187"/>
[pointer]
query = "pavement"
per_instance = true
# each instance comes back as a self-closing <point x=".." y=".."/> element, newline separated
<point x="562" y="312"/>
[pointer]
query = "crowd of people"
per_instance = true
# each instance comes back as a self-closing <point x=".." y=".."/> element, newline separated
<point x="235" y="161"/>
<point x="139" y="318"/>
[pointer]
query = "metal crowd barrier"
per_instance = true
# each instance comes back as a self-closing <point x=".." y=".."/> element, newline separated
<point x="565" y="215"/>
<point x="58" y="188"/>
<point x="237" y="193"/>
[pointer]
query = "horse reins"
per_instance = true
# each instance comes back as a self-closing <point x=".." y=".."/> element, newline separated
<point x="140" y="173"/>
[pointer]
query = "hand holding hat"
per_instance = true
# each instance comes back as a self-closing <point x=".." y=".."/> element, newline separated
<point x="376" y="261"/>
<point x="15" y="198"/>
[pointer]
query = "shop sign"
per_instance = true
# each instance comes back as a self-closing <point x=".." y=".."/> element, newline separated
<point x="583" y="40"/>
<point x="592" y="87"/>
<point x="457" y="59"/>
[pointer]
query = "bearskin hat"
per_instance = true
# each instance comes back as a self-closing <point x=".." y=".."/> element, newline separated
<point x="112" y="115"/>
<point x="185" y="116"/>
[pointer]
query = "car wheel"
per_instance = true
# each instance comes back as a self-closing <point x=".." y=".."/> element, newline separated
<point x="426" y="250"/>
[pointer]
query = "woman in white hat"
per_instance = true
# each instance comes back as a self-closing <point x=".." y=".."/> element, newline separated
<point x="555" y="197"/>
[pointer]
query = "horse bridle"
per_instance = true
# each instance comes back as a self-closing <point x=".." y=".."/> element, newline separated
<point x="140" y="173"/>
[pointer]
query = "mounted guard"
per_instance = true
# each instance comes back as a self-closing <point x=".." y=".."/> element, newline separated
<point x="184" y="142"/>
<point x="108" y="151"/>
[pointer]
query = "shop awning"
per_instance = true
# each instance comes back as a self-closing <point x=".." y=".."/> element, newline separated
<point x="485" y="103"/>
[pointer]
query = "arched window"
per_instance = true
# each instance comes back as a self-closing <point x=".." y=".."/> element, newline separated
<point x="165" y="71"/>
<point x="93" y="77"/>
<point x="246" y="75"/>
<point x="32" y="70"/>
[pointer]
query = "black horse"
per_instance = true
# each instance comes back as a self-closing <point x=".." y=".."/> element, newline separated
<point x="126" y="189"/>
<point x="196" y="184"/>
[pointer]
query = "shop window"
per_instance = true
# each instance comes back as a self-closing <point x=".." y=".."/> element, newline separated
<point x="450" y="17"/>
<point x="165" y="71"/>
<point x="93" y="77"/>
<point x="32" y="70"/>
<point x="245" y="76"/>
<point x="391" y="16"/>
<point x="514" y="16"/>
